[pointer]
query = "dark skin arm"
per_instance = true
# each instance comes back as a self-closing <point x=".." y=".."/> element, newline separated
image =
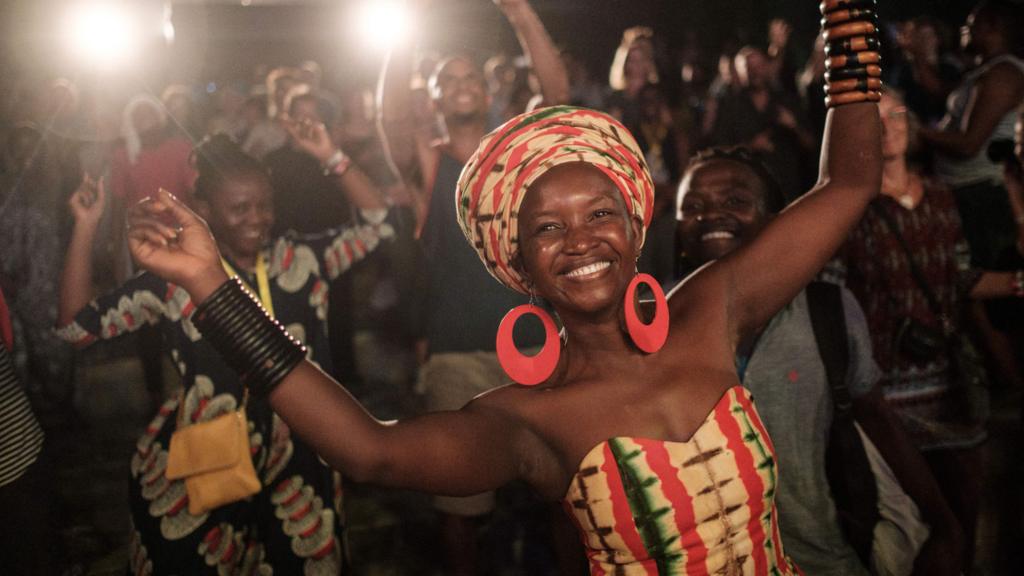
<point x="999" y="91"/>
<point x="801" y="239"/>
<point x="76" y="287"/>
<point x="396" y="121"/>
<point x="539" y="49"/>
<point x="355" y="184"/>
<point x="942" y="552"/>
<point x="465" y="452"/>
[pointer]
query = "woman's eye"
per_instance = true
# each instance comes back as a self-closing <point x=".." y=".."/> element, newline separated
<point x="602" y="213"/>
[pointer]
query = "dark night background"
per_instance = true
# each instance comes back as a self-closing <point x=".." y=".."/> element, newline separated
<point x="221" y="39"/>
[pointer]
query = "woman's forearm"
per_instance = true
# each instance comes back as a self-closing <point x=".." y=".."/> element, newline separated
<point x="540" y="50"/>
<point x="76" y="278"/>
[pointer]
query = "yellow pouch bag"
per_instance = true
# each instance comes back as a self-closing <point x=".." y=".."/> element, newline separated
<point x="214" y="459"/>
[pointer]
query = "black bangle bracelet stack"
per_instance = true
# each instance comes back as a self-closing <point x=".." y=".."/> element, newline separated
<point x="850" y="28"/>
<point x="250" y="341"/>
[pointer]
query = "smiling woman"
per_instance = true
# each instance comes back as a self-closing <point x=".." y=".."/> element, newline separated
<point x="170" y="534"/>
<point x="655" y="451"/>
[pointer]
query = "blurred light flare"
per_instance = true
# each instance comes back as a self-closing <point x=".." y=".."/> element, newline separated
<point x="383" y="23"/>
<point x="101" y="33"/>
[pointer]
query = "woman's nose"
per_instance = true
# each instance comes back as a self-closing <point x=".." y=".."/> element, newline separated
<point x="579" y="239"/>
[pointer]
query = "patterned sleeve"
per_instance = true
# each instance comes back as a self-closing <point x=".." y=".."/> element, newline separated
<point x="337" y="249"/>
<point x="863" y="372"/>
<point x="143" y="299"/>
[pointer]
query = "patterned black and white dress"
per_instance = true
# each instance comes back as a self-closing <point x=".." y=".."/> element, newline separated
<point x="294" y="525"/>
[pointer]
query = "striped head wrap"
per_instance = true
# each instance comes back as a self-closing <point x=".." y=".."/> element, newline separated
<point x="493" y="183"/>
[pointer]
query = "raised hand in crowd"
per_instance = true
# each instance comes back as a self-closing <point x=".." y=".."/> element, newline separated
<point x="779" y="32"/>
<point x="187" y="251"/>
<point x="76" y="287"/>
<point x="86" y="204"/>
<point x="313" y="139"/>
<point x="310" y="137"/>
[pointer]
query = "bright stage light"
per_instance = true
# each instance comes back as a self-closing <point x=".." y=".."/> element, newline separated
<point x="100" y="33"/>
<point x="383" y="23"/>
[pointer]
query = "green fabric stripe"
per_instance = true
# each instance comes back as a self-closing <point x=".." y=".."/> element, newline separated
<point x="638" y="481"/>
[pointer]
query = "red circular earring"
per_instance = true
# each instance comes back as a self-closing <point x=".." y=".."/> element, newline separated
<point x="647" y="337"/>
<point x="528" y="370"/>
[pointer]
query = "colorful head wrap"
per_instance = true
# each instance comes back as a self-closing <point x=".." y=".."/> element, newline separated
<point x="493" y="184"/>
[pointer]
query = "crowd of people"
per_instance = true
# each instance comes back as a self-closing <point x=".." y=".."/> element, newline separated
<point x="838" y="227"/>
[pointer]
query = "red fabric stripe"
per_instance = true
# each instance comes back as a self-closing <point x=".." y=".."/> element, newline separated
<point x="289" y="255"/>
<point x="659" y="460"/>
<point x="748" y="405"/>
<point x="348" y="252"/>
<point x="178" y="506"/>
<point x="500" y="140"/>
<point x="312" y="529"/>
<point x="748" y="475"/>
<point x="325" y="551"/>
<point x="625" y="527"/>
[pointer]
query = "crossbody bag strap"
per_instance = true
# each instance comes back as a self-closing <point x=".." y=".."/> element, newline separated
<point x="825" y="304"/>
<point x="850" y="478"/>
<point x="181" y="405"/>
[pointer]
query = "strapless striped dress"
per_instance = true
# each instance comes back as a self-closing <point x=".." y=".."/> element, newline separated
<point x="704" y="506"/>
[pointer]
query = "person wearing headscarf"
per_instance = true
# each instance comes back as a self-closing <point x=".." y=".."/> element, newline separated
<point x="638" y="426"/>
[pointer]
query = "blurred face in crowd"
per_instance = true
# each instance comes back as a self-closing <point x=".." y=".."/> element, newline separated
<point x="179" y="106"/>
<point x="979" y="31"/>
<point x="720" y="207"/>
<point x="304" y="108"/>
<point x="753" y="68"/>
<point x="240" y="213"/>
<point x="459" y="91"/>
<point x="640" y="61"/>
<point x="22" y="147"/>
<point x="927" y="37"/>
<point x="895" y="127"/>
<point x="146" y="119"/>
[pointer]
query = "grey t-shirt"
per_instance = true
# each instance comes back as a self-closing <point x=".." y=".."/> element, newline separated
<point x="787" y="378"/>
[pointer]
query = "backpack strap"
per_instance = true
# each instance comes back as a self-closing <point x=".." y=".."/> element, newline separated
<point x="846" y="463"/>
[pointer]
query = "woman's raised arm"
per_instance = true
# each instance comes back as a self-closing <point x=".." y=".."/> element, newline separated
<point x="769" y="272"/>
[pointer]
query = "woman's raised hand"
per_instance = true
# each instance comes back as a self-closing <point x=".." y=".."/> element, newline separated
<point x="87" y="202"/>
<point x="168" y="239"/>
<point x="311" y="137"/>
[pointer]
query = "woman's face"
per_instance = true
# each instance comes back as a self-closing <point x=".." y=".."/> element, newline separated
<point x="895" y="127"/>
<point x="578" y="244"/>
<point x="241" y="213"/>
<point x="639" y="60"/>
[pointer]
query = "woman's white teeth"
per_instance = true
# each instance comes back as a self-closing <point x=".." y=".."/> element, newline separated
<point x="589" y="269"/>
<point x="718" y="235"/>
